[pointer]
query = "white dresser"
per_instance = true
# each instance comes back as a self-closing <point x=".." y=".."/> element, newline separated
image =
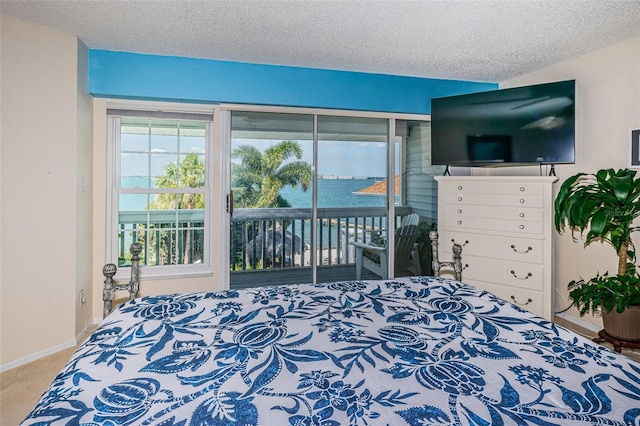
<point x="504" y="225"/>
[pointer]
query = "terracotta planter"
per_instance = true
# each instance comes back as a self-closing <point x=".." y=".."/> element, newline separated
<point x="623" y="326"/>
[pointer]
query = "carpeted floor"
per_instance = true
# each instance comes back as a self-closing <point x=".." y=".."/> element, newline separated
<point x="22" y="387"/>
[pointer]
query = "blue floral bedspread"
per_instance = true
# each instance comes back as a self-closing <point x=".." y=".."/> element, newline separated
<point x="416" y="351"/>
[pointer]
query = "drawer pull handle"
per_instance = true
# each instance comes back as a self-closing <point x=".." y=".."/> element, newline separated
<point x="521" y="200"/>
<point x="466" y="265"/>
<point x="459" y="198"/>
<point x="521" y="227"/>
<point x="520" y="251"/>
<point x="460" y="188"/>
<point x="521" y="304"/>
<point x="529" y="275"/>
<point x="459" y="222"/>
<point x="522" y="189"/>
<point x="462" y="245"/>
<point x="459" y="211"/>
<point x="521" y="214"/>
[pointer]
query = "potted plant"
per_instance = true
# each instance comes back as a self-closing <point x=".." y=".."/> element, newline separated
<point x="605" y="204"/>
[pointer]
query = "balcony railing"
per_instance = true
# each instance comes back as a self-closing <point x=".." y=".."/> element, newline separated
<point x="168" y="237"/>
<point x="275" y="239"/>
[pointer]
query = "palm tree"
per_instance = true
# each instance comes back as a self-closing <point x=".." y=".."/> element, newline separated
<point x="257" y="182"/>
<point x="190" y="173"/>
<point x="258" y="179"/>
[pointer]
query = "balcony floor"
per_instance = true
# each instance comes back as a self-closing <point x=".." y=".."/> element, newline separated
<point x="281" y="276"/>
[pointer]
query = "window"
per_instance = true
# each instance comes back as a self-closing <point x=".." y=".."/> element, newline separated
<point x="160" y="195"/>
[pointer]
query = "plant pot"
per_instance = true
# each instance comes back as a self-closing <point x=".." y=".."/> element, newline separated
<point x="623" y="326"/>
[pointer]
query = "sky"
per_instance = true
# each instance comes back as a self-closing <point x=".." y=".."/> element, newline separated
<point x="339" y="158"/>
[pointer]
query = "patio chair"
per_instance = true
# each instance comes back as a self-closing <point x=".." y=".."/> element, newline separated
<point x="374" y="257"/>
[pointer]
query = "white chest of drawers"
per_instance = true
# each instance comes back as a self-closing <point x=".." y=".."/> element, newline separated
<point x="504" y="225"/>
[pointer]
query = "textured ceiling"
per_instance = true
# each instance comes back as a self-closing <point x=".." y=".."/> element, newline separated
<point x="480" y="40"/>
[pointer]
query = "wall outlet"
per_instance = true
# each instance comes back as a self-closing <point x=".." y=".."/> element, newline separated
<point x="82" y="298"/>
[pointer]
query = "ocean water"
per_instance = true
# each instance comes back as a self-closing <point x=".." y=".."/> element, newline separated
<point x="331" y="193"/>
<point x="334" y="193"/>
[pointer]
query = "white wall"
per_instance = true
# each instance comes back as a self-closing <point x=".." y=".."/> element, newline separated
<point x="44" y="220"/>
<point x="608" y="107"/>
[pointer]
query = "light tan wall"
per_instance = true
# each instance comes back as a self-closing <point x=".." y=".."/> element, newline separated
<point x="39" y="198"/>
<point x="608" y="107"/>
<point x="84" y="193"/>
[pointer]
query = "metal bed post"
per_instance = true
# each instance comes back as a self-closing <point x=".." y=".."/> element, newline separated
<point x="110" y="269"/>
<point x="456" y="264"/>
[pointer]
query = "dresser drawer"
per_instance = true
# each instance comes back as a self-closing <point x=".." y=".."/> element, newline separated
<point x="493" y="188"/>
<point x="492" y="199"/>
<point x="486" y="224"/>
<point x="531" y="300"/>
<point x="530" y="250"/>
<point x="514" y="274"/>
<point x="509" y="213"/>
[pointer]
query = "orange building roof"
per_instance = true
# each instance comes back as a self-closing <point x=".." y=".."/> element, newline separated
<point x="379" y="188"/>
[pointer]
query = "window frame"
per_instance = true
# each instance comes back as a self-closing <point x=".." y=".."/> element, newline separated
<point x="114" y="190"/>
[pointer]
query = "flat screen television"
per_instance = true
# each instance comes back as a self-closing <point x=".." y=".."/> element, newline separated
<point x="521" y="125"/>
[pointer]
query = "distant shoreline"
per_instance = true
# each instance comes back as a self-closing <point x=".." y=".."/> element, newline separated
<point x="335" y="177"/>
<point x="324" y="177"/>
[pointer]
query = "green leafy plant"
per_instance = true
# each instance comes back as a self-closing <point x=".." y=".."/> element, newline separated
<point x="424" y="246"/>
<point x="607" y="292"/>
<point x="603" y="204"/>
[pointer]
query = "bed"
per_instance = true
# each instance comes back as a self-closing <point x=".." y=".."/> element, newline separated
<point x="416" y="351"/>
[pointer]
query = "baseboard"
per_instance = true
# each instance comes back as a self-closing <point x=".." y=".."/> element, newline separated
<point x="580" y="322"/>
<point x="37" y="355"/>
<point x="84" y="333"/>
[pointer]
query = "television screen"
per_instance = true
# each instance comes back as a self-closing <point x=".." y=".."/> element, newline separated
<point x="522" y="125"/>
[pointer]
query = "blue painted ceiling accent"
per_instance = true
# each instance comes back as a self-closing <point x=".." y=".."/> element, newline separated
<point x="170" y="78"/>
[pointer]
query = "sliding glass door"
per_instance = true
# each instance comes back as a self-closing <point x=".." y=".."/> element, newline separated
<point x="305" y="187"/>
<point x="352" y="192"/>
<point x="272" y="187"/>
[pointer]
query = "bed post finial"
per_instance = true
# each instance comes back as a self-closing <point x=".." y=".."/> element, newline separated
<point x="109" y="270"/>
